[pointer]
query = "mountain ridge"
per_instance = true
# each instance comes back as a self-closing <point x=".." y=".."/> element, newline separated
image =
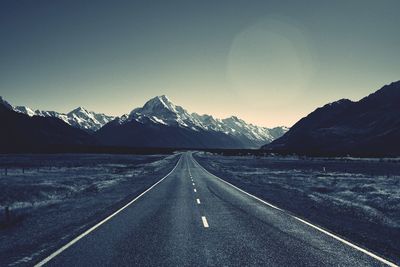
<point x="160" y="111"/>
<point x="368" y="126"/>
<point x="79" y="117"/>
<point x="168" y="124"/>
<point x="26" y="133"/>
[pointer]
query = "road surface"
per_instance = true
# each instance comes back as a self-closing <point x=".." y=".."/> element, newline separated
<point x="192" y="218"/>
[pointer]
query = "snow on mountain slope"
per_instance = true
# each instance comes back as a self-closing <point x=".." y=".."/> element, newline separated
<point x="89" y="120"/>
<point x="79" y="117"/>
<point x="160" y="110"/>
<point x="5" y="104"/>
<point x="25" y="110"/>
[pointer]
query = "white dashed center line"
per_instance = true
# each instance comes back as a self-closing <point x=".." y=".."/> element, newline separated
<point x="193" y="184"/>
<point x="198" y="201"/>
<point x="195" y="190"/>
<point x="205" y="223"/>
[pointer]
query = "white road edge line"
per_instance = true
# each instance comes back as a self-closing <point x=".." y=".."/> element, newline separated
<point x="205" y="223"/>
<point x="198" y="201"/>
<point x="387" y="262"/>
<point x="76" y="239"/>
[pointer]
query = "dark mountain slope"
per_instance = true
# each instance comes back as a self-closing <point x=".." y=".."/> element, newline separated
<point x="21" y="132"/>
<point x="138" y="134"/>
<point x="370" y="126"/>
<point x="160" y="123"/>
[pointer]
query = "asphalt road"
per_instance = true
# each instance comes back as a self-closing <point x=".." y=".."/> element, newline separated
<point x="192" y="218"/>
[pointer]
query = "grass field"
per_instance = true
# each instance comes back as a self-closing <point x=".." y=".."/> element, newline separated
<point x="51" y="198"/>
<point x="356" y="198"/>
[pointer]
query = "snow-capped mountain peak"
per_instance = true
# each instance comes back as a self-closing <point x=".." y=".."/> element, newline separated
<point x="157" y="105"/>
<point x="79" y="110"/>
<point x="163" y="100"/>
<point x="79" y="117"/>
<point x="25" y="110"/>
<point x="162" y="111"/>
<point x="234" y="120"/>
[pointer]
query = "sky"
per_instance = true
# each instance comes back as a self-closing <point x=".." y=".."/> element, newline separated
<point x="267" y="62"/>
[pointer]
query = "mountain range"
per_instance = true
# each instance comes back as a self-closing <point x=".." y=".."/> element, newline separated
<point x="79" y="117"/>
<point x="370" y="126"/>
<point x="21" y="132"/>
<point x="159" y="123"/>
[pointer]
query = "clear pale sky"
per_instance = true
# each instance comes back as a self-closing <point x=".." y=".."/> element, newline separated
<point x="268" y="62"/>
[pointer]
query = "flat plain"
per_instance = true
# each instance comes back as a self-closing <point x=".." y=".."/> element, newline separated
<point x="52" y="198"/>
<point x="358" y="199"/>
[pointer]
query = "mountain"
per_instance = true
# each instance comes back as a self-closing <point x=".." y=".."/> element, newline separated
<point x="23" y="132"/>
<point x="4" y="105"/>
<point x="79" y="117"/>
<point x="160" y="123"/>
<point x="370" y="126"/>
